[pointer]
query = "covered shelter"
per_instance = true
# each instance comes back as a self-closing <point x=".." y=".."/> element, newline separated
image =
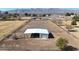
<point x="37" y="33"/>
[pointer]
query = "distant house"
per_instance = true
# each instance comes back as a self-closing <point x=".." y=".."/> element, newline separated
<point x="25" y="18"/>
<point x="37" y="33"/>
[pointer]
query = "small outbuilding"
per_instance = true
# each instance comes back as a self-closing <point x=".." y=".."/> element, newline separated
<point x="37" y="33"/>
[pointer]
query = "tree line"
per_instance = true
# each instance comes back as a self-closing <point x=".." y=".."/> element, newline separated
<point x="13" y="16"/>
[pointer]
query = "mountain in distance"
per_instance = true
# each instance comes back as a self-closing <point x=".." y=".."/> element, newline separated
<point x="45" y="10"/>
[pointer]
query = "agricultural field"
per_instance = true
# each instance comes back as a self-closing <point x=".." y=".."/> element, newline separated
<point x="8" y="27"/>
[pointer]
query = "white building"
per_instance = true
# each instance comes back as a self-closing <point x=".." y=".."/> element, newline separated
<point x="25" y="18"/>
<point x="37" y="33"/>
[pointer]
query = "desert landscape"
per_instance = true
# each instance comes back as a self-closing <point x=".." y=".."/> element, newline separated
<point x="62" y="29"/>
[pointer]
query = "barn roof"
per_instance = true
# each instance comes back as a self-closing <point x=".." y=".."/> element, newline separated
<point x="36" y="30"/>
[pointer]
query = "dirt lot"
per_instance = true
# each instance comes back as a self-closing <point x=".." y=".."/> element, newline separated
<point x="33" y="44"/>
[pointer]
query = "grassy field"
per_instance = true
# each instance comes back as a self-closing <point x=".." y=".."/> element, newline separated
<point x="8" y="27"/>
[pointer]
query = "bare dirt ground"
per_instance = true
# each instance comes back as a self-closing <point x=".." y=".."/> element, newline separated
<point x="33" y="44"/>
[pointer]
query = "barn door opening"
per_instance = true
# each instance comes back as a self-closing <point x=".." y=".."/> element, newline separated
<point x="35" y="35"/>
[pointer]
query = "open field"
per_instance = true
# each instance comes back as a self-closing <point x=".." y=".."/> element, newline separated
<point x="8" y="27"/>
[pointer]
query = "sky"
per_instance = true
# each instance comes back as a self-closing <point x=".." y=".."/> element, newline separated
<point x="71" y="8"/>
<point x="6" y="9"/>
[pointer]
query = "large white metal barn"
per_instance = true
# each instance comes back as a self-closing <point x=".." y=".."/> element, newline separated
<point x="37" y="33"/>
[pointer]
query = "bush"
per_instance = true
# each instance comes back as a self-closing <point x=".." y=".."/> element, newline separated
<point x="62" y="43"/>
<point x="18" y="36"/>
<point x="34" y="15"/>
<point x="73" y="22"/>
<point x="44" y="15"/>
<point x="76" y="18"/>
<point x="26" y="14"/>
<point x="72" y="13"/>
<point x="69" y="27"/>
<point x="67" y="14"/>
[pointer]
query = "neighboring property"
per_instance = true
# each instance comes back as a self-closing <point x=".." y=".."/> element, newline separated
<point x="37" y="33"/>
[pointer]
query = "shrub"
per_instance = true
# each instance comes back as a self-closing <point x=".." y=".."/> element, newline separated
<point x="73" y="22"/>
<point x="69" y="27"/>
<point x="18" y="36"/>
<point x="76" y="18"/>
<point x="62" y="43"/>
<point x="67" y="14"/>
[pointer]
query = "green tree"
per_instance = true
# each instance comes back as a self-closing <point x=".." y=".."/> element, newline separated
<point x="49" y="14"/>
<point x="26" y="14"/>
<point x="62" y="43"/>
<point x="67" y="14"/>
<point x="34" y="15"/>
<point x="72" y="13"/>
<point x="44" y="15"/>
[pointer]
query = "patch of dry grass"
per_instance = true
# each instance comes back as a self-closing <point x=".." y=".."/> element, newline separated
<point x="8" y="27"/>
<point x="67" y="22"/>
